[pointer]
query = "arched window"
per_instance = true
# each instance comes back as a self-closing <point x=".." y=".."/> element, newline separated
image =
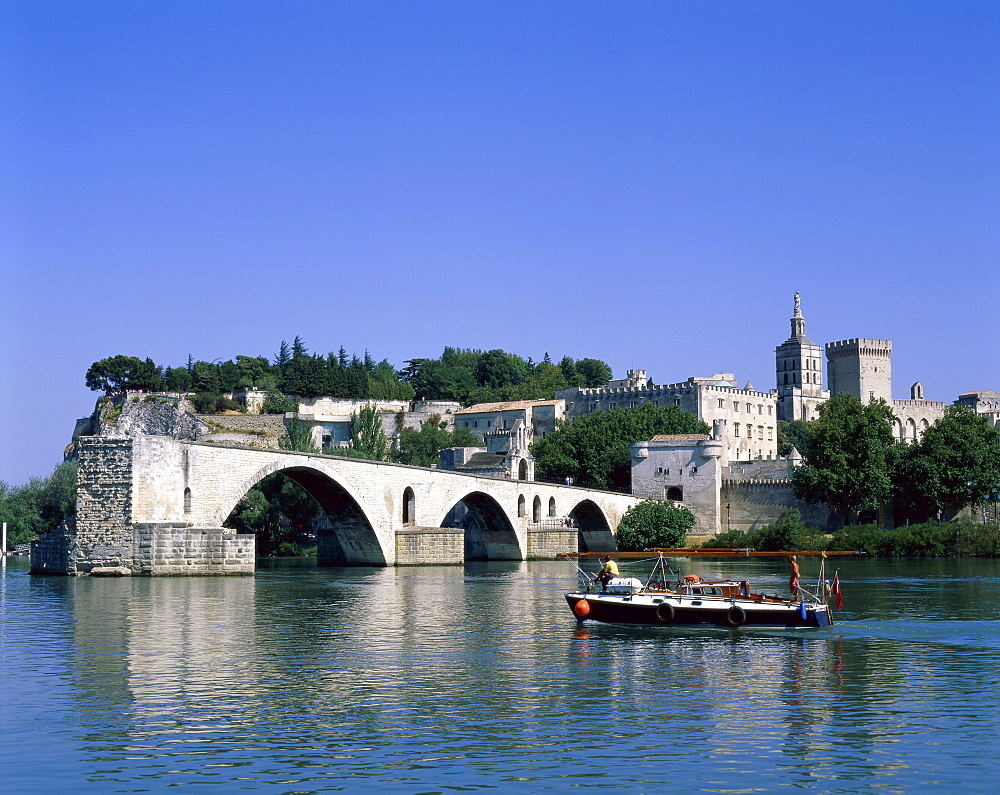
<point x="409" y="506"/>
<point x="187" y="500"/>
<point x="552" y="506"/>
<point x="522" y="470"/>
<point x="520" y="505"/>
<point x="536" y="509"/>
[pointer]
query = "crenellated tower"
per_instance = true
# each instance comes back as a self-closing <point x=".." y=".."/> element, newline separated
<point x="862" y="367"/>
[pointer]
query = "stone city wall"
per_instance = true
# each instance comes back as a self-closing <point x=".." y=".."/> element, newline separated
<point x="751" y="504"/>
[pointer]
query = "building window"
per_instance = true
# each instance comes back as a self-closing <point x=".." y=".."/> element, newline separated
<point x="769" y="409"/>
<point x="749" y="409"/>
<point x="520" y="505"/>
<point x="770" y="433"/>
<point x="677" y="401"/>
<point x="187" y="500"/>
<point x="736" y="429"/>
<point x="760" y="432"/>
<point x="760" y="408"/>
<point x="552" y="506"/>
<point x="736" y="406"/>
<point x="722" y="403"/>
<point x="694" y="471"/>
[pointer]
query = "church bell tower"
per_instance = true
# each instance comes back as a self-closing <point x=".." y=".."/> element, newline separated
<point x="799" y="369"/>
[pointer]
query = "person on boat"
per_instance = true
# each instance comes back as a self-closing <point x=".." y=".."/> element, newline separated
<point x="607" y="573"/>
<point x="793" y="576"/>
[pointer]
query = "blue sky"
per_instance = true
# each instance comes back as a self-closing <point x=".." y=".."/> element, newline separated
<point x="641" y="182"/>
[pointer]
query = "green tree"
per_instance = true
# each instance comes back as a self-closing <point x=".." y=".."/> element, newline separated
<point x="276" y="403"/>
<point x="955" y="463"/>
<point x="255" y="371"/>
<point x="367" y="436"/>
<point x="497" y="369"/>
<point x="593" y="372"/>
<point x="423" y="447"/>
<point x="594" y="449"/>
<point x="654" y="523"/>
<point x="118" y="373"/>
<point x="39" y="505"/>
<point x="793" y="433"/>
<point x="851" y="456"/>
<point x="298" y="437"/>
<point x="177" y="379"/>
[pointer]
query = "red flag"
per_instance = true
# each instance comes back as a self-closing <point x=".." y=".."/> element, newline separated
<point x="835" y="590"/>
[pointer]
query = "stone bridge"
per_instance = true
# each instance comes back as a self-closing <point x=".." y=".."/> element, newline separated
<point x="155" y="505"/>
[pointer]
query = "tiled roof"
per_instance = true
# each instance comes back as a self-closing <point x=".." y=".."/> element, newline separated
<point x="510" y="405"/>
<point x="681" y="437"/>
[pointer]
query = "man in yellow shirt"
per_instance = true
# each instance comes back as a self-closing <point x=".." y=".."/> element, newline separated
<point x="607" y="573"/>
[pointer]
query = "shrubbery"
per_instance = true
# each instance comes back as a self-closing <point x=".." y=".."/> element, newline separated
<point x="211" y="403"/>
<point x="927" y="540"/>
<point x="788" y="533"/>
<point x="654" y="523"/>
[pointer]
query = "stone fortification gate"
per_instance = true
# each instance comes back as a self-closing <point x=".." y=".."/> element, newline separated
<point x="155" y="505"/>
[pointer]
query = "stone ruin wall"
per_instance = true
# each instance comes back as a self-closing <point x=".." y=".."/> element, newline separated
<point x="102" y="537"/>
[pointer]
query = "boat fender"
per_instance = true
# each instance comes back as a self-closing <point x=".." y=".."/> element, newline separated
<point x="736" y="616"/>
<point x="581" y="609"/>
<point x="802" y="610"/>
<point x="665" y="613"/>
<point x="691" y="578"/>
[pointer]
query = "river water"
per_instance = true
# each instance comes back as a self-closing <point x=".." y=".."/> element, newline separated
<point x="437" y="679"/>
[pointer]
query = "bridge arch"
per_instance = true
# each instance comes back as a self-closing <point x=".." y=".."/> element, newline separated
<point x="489" y="534"/>
<point x="348" y="535"/>
<point x="595" y="531"/>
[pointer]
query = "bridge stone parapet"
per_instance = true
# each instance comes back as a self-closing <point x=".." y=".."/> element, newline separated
<point x="157" y="505"/>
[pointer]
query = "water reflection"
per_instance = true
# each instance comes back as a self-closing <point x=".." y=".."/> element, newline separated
<point x="472" y="676"/>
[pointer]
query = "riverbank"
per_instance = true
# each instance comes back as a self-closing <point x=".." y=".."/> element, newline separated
<point x="926" y="540"/>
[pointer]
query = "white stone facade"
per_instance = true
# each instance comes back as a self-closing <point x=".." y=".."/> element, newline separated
<point x="749" y="417"/>
<point x="537" y="416"/>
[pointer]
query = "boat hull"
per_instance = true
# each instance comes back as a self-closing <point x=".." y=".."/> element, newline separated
<point x="667" y="610"/>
